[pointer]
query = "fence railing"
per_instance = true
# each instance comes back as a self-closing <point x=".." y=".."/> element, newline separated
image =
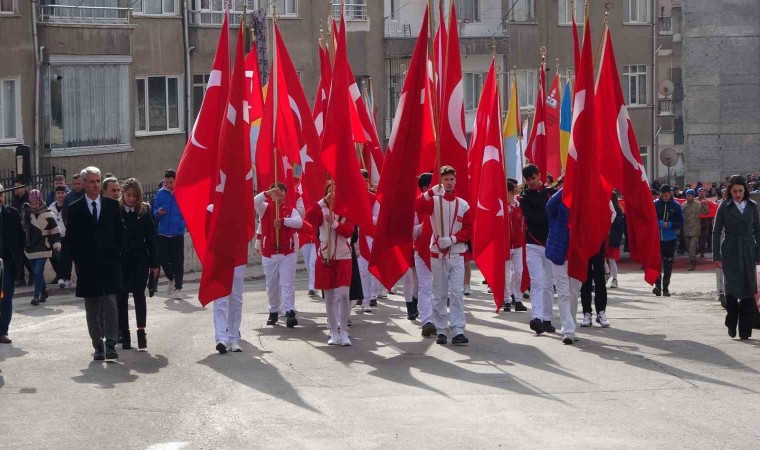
<point x="354" y="9"/>
<point x="399" y="28"/>
<point x="666" y="25"/>
<point x="107" y="15"/>
<point x="665" y="107"/>
<point x="43" y="182"/>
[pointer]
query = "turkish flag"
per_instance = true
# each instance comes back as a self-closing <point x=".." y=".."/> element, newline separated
<point x="553" y="160"/>
<point x="233" y="195"/>
<point x="479" y="137"/>
<point x="323" y="91"/>
<point x="622" y="167"/>
<point x="537" y="145"/>
<point x="197" y="168"/>
<point x="490" y="239"/>
<point x="590" y="208"/>
<point x="338" y="153"/>
<point x="412" y="135"/>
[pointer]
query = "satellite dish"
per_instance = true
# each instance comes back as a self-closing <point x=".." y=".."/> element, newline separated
<point x="665" y="87"/>
<point x="669" y="157"/>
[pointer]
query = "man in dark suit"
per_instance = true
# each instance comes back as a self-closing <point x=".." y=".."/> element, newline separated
<point x="11" y="251"/>
<point x="94" y="236"/>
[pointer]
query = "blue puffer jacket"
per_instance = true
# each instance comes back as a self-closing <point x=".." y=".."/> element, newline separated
<point x="171" y="223"/>
<point x="559" y="231"/>
<point x="672" y="213"/>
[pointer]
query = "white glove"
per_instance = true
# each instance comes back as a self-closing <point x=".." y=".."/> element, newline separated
<point x="445" y="242"/>
<point x="438" y="190"/>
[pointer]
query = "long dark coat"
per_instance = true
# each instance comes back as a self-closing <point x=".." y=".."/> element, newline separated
<point x="740" y="250"/>
<point x="140" y="249"/>
<point x="96" y="247"/>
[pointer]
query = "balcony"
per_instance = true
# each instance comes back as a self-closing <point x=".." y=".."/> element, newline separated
<point x="665" y="107"/>
<point x="666" y="26"/>
<point x="98" y="15"/>
<point x="355" y="9"/>
<point x="400" y="28"/>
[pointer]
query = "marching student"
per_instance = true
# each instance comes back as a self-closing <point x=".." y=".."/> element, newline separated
<point x="138" y="259"/>
<point x="423" y="232"/>
<point x="333" y="266"/>
<point x="278" y="251"/>
<point x="369" y="282"/>
<point x="533" y="205"/>
<point x="447" y="247"/>
<point x="670" y="219"/>
<point x="514" y="270"/>
<point x="615" y="239"/>
<point x="557" y="244"/>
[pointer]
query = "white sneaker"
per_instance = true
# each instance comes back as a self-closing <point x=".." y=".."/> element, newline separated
<point x="169" y="289"/>
<point x="613" y="284"/>
<point x="601" y="319"/>
<point x="366" y="307"/>
<point x="235" y="347"/>
<point x="177" y="294"/>
<point x="466" y="289"/>
<point x="334" y="338"/>
<point x="61" y="283"/>
<point x="344" y="339"/>
<point x="567" y="339"/>
<point x="586" y="322"/>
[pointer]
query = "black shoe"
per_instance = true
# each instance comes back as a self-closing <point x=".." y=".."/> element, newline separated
<point x="44" y="296"/>
<point x="142" y="341"/>
<point x="666" y="293"/>
<point x="548" y="327"/>
<point x="508" y="307"/>
<point x="99" y="355"/>
<point x="536" y="325"/>
<point x="221" y="348"/>
<point x="373" y="302"/>
<point x="526" y="296"/>
<point x="292" y="321"/>
<point x="416" y="310"/>
<point x="657" y="291"/>
<point x="312" y="293"/>
<point x="744" y="338"/>
<point x="126" y="340"/>
<point x="519" y="307"/>
<point x="273" y="317"/>
<point x="410" y="311"/>
<point x="111" y="353"/>
<point x="442" y="339"/>
<point x="732" y="332"/>
<point x="36" y="301"/>
<point x="428" y="330"/>
<point x="460" y="339"/>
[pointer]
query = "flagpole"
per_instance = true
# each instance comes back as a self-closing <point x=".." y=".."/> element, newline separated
<point x="274" y="121"/>
<point x="519" y="121"/>
<point x="435" y="106"/>
<point x="498" y="73"/>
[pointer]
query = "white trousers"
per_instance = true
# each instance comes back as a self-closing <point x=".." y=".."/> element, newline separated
<point x="369" y="282"/>
<point x="513" y="275"/>
<point x="338" y="308"/>
<point x="568" y="290"/>
<point x="309" y="252"/>
<point x="448" y="283"/>
<point x="410" y="285"/>
<point x="425" y="290"/>
<point x="613" y="268"/>
<point x="228" y="311"/>
<point x="541" y="282"/>
<point x="280" y="273"/>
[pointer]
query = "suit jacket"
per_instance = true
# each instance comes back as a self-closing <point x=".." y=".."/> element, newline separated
<point x="96" y="247"/>
<point x="13" y="238"/>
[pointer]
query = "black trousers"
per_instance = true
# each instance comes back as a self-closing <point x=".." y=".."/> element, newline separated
<point x="705" y="235"/>
<point x="171" y="256"/>
<point x="595" y="277"/>
<point x="667" y="251"/>
<point x="742" y="313"/>
<point x="141" y="309"/>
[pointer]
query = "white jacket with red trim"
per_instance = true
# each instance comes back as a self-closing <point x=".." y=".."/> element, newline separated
<point x="457" y="221"/>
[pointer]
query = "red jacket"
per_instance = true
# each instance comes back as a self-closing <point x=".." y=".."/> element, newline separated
<point x="517" y="226"/>
<point x="291" y="223"/>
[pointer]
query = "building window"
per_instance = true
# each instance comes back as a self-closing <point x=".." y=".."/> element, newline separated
<point x="155" y="7"/>
<point x="199" y="90"/>
<point x="10" y="110"/>
<point x="286" y="7"/>
<point x="468" y="10"/>
<point x="158" y="105"/>
<point x="526" y="87"/>
<point x="473" y="84"/>
<point x="565" y="12"/>
<point x="635" y="85"/>
<point x="636" y="11"/>
<point x="355" y="9"/>
<point x="522" y="11"/>
<point x="7" y="6"/>
<point x="86" y="102"/>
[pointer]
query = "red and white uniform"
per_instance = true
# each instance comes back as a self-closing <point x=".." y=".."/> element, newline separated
<point x="278" y="257"/>
<point x="517" y="250"/>
<point x="333" y="266"/>
<point x="369" y="282"/>
<point x="447" y="247"/>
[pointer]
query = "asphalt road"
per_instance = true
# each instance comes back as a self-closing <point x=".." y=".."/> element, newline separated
<point x="664" y="375"/>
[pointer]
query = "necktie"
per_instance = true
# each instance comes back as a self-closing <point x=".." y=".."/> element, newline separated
<point x="94" y="211"/>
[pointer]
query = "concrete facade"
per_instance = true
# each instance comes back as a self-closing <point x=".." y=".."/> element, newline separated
<point x="721" y="60"/>
<point x="151" y="45"/>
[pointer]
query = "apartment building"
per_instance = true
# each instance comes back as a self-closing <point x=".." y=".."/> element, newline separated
<point x="118" y="83"/>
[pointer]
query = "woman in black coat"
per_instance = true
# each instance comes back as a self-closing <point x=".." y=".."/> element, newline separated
<point x="138" y="259"/>
<point x="739" y="218"/>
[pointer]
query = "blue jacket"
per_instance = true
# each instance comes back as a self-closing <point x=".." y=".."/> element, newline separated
<point x="171" y="223"/>
<point x="672" y="213"/>
<point x="559" y="231"/>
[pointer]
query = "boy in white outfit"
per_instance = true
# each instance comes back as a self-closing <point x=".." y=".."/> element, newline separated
<point x="228" y="312"/>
